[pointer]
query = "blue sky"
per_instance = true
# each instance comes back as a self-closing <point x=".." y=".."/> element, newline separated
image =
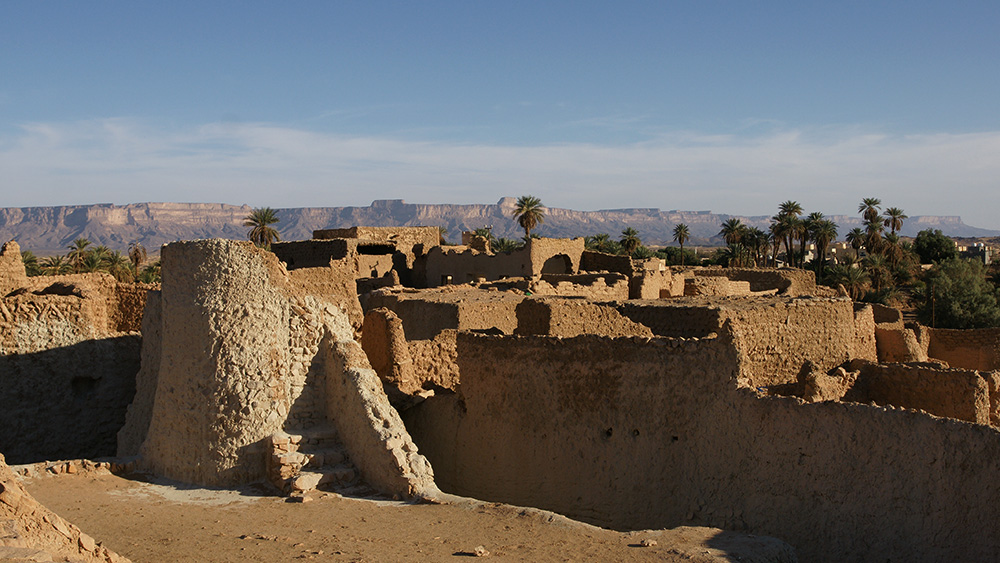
<point x="729" y="106"/>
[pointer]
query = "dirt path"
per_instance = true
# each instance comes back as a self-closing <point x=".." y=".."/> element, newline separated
<point x="156" y="523"/>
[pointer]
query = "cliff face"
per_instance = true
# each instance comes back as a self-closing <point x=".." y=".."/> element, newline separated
<point x="49" y="230"/>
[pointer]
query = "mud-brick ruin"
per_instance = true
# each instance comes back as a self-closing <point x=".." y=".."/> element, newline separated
<point x="622" y="393"/>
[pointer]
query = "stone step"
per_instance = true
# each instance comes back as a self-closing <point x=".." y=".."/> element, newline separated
<point x="324" y="457"/>
<point x="305" y="481"/>
<point x="317" y="436"/>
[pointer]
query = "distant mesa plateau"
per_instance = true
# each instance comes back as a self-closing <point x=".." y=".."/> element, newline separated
<point x="49" y="230"/>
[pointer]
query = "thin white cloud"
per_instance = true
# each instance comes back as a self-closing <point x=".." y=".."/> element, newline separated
<point x="830" y="169"/>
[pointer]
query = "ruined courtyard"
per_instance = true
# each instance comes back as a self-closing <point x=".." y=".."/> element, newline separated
<point x="620" y="393"/>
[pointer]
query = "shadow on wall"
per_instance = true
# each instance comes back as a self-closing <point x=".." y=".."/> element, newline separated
<point x="558" y="264"/>
<point x="67" y="402"/>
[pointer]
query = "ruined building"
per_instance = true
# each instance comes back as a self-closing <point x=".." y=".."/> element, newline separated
<point x="617" y="392"/>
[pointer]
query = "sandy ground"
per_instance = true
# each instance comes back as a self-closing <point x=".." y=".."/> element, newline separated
<point x="164" y="522"/>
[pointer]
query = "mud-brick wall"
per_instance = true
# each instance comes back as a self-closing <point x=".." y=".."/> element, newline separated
<point x="66" y="401"/>
<point x="310" y="253"/>
<point x="776" y="339"/>
<point x="865" y="344"/>
<point x="422" y="320"/>
<point x="977" y="349"/>
<point x="65" y="379"/>
<point x="12" y="273"/>
<point x="601" y="262"/>
<point x="631" y="434"/>
<point x="573" y="317"/>
<point x="222" y="386"/>
<point x="955" y="393"/>
<point x="693" y="321"/>
<point x="789" y="281"/>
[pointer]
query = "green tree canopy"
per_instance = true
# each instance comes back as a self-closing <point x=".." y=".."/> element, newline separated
<point x="957" y="295"/>
<point x="933" y="246"/>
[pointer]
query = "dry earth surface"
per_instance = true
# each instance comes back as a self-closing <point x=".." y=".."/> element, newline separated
<point x="153" y="522"/>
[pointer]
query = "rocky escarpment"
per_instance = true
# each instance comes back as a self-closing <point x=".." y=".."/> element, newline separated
<point x="49" y="230"/>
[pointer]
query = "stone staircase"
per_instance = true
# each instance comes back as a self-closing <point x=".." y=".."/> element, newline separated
<point x="305" y="460"/>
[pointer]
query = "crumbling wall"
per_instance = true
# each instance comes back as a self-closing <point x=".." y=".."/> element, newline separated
<point x="335" y="283"/>
<point x="776" y="339"/>
<point x="788" y="281"/>
<point x="384" y="342"/>
<point x="312" y="253"/>
<point x="426" y="313"/>
<point x="690" y="319"/>
<point x="12" y="274"/>
<point x="776" y="334"/>
<point x="435" y="361"/>
<point x="603" y="286"/>
<point x="554" y="255"/>
<point x="954" y="393"/>
<point x="401" y="236"/>
<point x="446" y="265"/>
<point x="890" y="318"/>
<point x="140" y="410"/>
<point x="246" y="353"/>
<point x="714" y="285"/>
<point x="573" y="317"/>
<point x="865" y="345"/>
<point x="977" y="349"/>
<point x="31" y="532"/>
<point x="66" y="371"/>
<point x="370" y="428"/>
<point x="632" y="434"/>
<point x="898" y="344"/>
<point x="591" y="261"/>
<point x="224" y="360"/>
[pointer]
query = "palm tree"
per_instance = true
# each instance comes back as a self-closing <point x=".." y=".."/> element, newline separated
<point x="809" y="225"/>
<point x="642" y="253"/>
<point x="732" y="230"/>
<point x="55" y="265"/>
<point x="137" y="255"/>
<point x="261" y="232"/>
<point x="856" y="238"/>
<point x="92" y="262"/>
<point x="869" y="208"/>
<point x="823" y="232"/>
<point x="442" y="231"/>
<point x="788" y="226"/>
<point x="529" y="213"/>
<point x="487" y="233"/>
<point x="681" y="235"/>
<point x="758" y="242"/>
<point x="855" y="280"/>
<point x="30" y="261"/>
<point x="790" y="207"/>
<point x="894" y="218"/>
<point x="597" y="243"/>
<point x="506" y="245"/>
<point x="630" y="240"/>
<point x="151" y="273"/>
<point x="77" y="252"/>
<point x="873" y="235"/>
<point x="736" y="255"/>
<point x="119" y="266"/>
<point x="877" y="268"/>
